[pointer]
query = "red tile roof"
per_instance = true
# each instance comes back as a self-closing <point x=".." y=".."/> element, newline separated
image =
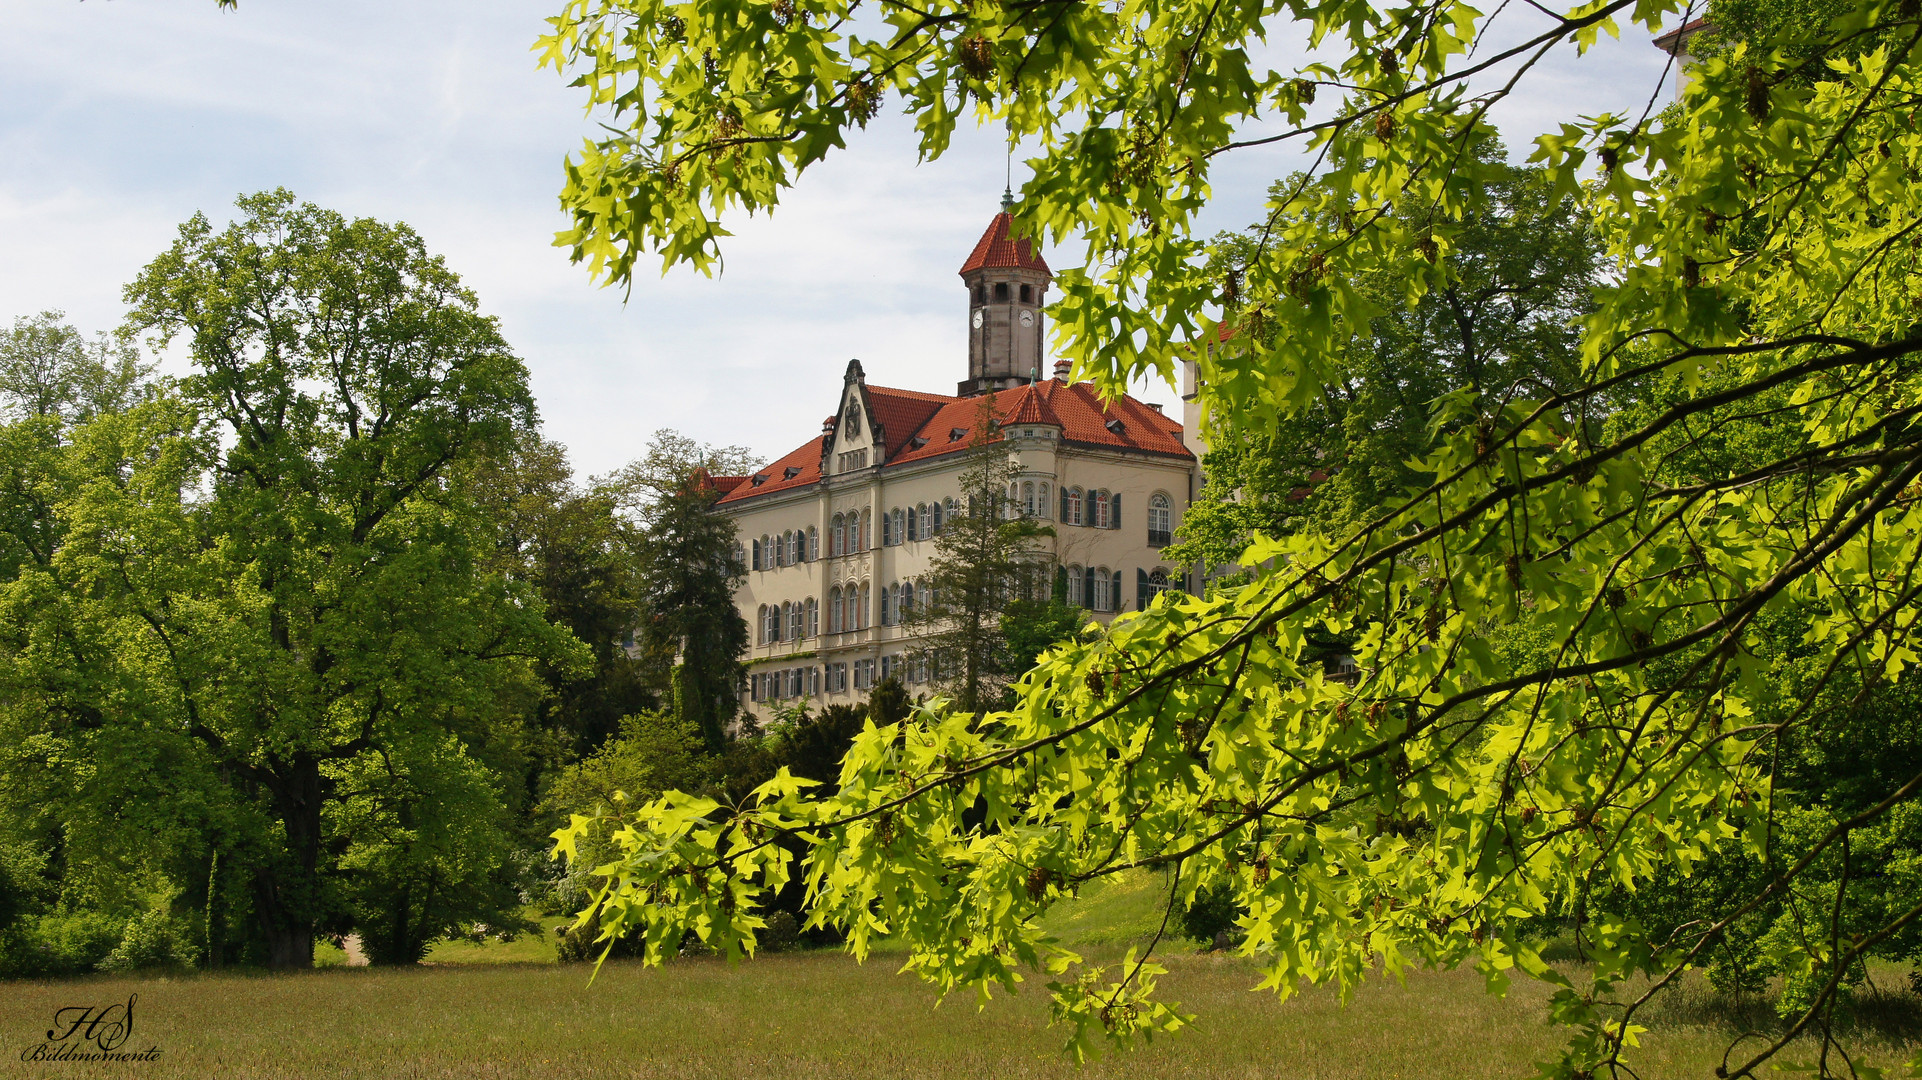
<point x="996" y="250"/>
<point x="773" y="476"/>
<point x="1675" y="42"/>
<point x="907" y="415"/>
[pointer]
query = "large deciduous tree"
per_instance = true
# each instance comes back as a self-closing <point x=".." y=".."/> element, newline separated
<point x="261" y="617"/>
<point x="1567" y="683"/>
<point x="1502" y="323"/>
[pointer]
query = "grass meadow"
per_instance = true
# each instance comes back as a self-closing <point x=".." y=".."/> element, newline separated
<point x="818" y="1014"/>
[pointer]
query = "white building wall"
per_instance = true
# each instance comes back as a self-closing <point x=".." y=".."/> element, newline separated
<point x="1040" y="458"/>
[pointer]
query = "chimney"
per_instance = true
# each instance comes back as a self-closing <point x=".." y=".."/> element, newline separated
<point x="1061" y="369"/>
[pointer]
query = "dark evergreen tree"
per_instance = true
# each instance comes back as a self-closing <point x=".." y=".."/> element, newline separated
<point x="689" y="568"/>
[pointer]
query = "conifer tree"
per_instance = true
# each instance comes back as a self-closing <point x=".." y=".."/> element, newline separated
<point x="985" y="561"/>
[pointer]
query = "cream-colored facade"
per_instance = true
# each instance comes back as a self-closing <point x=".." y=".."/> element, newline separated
<point x="836" y="533"/>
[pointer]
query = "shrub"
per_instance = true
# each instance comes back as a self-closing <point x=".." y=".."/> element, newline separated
<point x="1212" y="914"/>
<point x="152" y="940"/>
<point x="781" y="934"/>
<point x="59" y="943"/>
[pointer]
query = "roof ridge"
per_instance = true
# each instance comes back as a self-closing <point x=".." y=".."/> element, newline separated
<point x="922" y="394"/>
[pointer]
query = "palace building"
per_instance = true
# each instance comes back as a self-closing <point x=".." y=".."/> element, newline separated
<point x="836" y="534"/>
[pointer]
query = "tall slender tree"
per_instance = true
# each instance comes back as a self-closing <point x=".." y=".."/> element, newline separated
<point x="689" y="569"/>
<point x="985" y="562"/>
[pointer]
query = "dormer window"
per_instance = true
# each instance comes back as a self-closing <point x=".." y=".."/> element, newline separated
<point x="791" y="472"/>
<point x="918" y="442"/>
<point x="957" y="434"/>
<point x="1000" y="291"/>
<point x="759" y="479"/>
<point x="1116" y="426"/>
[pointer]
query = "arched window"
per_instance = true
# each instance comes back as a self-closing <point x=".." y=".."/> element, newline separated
<point x="771" y="625"/>
<point x="796" y="543"/>
<point x="949" y="507"/>
<point x="760" y="624"/>
<point x="813" y="551"/>
<point x="1099" y="499"/>
<point x="1161" y="520"/>
<point x="930" y="517"/>
<point x="1027" y="498"/>
<point x="907" y="600"/>
<point x="862" y="610"/>
<point x="814" y="618"/>
<point x="797" y="622"/>
<point x="865" y="536"/>
<point x="1044" y="500"/>
<point x="1149" y="584"/>
<point x="834" y="610"/>
<point x="900" y="524"/>
<point x="1103" y="590"/>
<point x="837" y="532"/>
<point x="891" y="604"/>
<point x="923" y="594"/>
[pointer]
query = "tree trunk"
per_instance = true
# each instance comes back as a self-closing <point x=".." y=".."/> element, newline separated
<point x="286" y="891"/>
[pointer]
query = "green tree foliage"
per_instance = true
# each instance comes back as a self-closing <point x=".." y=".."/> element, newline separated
<point x="569" y="542"/>
<point x="245" y="605"/>
<point x="985" y="561"/>
<point x="1032" y="627"/>
<point x="50" y="369"/>
<point x="689" y="568"/>
<point x="1566" y="677"/>
<point x="1501" y="323"/>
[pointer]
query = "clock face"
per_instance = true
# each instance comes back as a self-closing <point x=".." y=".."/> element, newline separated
<point x="977" y="318"/>
<point x="1027" y="318"/>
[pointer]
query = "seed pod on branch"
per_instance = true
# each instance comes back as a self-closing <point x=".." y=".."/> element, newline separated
<point x="975" y="54"/>
<point x="1384" y="126"/>
<point x="864" y="100"/>
<point x="1755" y="95"/>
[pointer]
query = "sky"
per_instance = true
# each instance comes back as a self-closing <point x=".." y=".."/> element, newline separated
<point x="121" y="118"/>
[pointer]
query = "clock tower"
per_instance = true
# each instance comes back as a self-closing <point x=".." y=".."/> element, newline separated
<point x="1007" y="284"/>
